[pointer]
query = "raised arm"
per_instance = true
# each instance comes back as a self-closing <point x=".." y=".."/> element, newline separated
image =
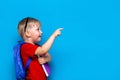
<point x="44" y="49"/>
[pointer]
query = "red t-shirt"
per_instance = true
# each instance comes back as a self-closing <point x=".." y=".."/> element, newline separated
<point x="35" y="70"/>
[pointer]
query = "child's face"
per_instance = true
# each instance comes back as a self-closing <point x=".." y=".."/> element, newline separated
<point x="35" y="33"/>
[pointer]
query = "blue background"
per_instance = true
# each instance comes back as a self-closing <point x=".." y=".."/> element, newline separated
<point x="88" y="48"/>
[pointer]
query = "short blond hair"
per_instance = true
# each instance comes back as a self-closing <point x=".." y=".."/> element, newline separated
<point x="26" y="23"/>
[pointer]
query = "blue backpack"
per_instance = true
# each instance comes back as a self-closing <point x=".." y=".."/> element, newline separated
<point x="20" y="70"/>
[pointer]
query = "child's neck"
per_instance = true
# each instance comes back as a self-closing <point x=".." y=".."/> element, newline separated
<point x="28" y="41"/>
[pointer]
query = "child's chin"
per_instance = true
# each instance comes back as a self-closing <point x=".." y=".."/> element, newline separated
<point x="39" y="39"/>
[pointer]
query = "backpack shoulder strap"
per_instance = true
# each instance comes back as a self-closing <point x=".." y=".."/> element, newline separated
<point x="18" y="46"/>
<point x="27" y="64"/>
<point x="29" y="60"/>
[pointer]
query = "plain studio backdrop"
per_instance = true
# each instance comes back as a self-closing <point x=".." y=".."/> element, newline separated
<point x="88" y="48"/>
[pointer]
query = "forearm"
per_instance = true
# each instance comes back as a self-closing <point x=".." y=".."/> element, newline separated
<point x="46" y="46"/>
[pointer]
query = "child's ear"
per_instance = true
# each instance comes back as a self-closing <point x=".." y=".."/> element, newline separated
<point x="27" y="33"/>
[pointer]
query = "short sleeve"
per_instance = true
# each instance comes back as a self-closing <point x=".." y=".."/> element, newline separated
<point x="28" y="50"/>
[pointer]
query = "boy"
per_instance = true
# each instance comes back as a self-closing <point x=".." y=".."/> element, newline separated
<point x="29" y="30"/>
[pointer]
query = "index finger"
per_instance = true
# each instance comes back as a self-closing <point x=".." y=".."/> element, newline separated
<point x="60" y="29"/>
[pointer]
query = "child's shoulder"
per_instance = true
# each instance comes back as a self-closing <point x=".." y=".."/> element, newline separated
<point x="29" y="46"/>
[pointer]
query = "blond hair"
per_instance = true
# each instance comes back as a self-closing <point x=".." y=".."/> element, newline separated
<point x="26" y="23"/>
